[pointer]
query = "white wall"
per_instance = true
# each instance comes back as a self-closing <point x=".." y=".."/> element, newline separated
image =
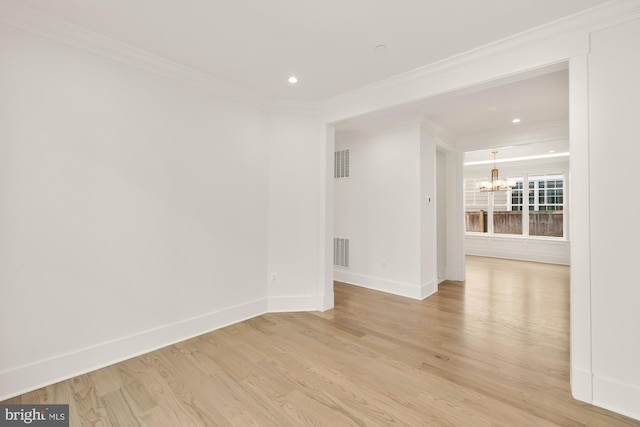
<point x="441" y="213"/>
<point x="429" y="203"/>
<point x="378" y="209"/>
<point x="455" y="223"/>
<point x="614" y="102"/>
<point x="134" y="211"/>
<point x="294" y="211"/>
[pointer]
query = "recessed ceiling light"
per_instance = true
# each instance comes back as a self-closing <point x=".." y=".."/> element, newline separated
<point x="293" y="80"/>
<point x="552" y="151"/>
<point x="381" y="48"/>
<point x="516" y="120"/>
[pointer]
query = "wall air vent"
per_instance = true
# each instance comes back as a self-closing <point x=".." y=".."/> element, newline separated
<point x="341" y="164"/>
<point x="340" y="252"/>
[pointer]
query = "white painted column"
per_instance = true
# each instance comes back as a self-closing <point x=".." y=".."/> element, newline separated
<point x="325" y="281"/>
<point x="428" y="215"/>
<point x="455" y="269"/>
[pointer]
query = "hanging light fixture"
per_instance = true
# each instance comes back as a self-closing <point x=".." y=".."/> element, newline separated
<point x="496" y="184"/>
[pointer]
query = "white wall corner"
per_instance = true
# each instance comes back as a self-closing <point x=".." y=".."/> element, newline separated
<point x="444" y="139"/>
<point x="327" y="301"/>
<point x="428" y="289"/>
<point x="455" y="274"/>
<point x="581" y="385"/>
<point x="22" y="379"/>
<point x="289" y="304"/>
<point x="326" y="218"/>
<point x="579" y="249"/>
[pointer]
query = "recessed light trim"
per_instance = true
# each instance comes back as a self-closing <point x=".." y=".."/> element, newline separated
<point x="516" y="120"/>
<point x="381" y="48"/>
<point x="293" y="80"/>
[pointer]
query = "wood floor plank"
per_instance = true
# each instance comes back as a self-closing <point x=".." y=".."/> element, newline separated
<point x="490" y="351"/>
<point x="118" y="410"/>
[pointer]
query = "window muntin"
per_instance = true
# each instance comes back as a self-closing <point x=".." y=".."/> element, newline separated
<point x="476" y="206"/>
<point x="543" y="202"/>
<point x="507" y="209"/>
<point x="546" y="205"/>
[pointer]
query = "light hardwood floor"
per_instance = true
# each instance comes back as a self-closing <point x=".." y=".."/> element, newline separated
<point x="492" y="351"/>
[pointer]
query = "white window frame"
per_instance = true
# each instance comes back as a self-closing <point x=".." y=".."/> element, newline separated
<point x="526" y="179"/>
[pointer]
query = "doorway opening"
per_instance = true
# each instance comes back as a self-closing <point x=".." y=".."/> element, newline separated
<point x="408" y="173"/>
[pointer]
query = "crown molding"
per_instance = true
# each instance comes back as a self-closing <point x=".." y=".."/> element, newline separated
<point x="32" y="21"/>
<point x="580" y="24"/>
<point x="442" y="134"/>
<point x="22" y="17"/>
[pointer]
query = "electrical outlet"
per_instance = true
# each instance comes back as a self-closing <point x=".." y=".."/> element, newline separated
<point x="384" y="264"/>
<point x="274" y="277"/>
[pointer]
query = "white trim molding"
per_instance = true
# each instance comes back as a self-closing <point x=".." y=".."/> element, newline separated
<point x="24" y="18"/>
<point x="389" y="286"/>
<point x="616" y="396"/>
<point x="579" y="230"/>
<point x="520" y="248"/>
<point x="288" y="304"/>
<point x="429" y="288"/>
<point x="548" y="44"/>
<point x="581" y="384"/>
<point x="22" y="379"/>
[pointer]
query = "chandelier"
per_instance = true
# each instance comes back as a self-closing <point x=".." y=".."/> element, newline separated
<point x="496" y="184"/>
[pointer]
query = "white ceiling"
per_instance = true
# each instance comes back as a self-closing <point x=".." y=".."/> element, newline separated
<point x="547" y="150"/>
<point x="536" y="97"/>
<point x="328" y="44"/>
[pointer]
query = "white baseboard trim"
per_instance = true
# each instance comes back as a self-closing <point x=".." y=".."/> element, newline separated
<point x="581" y="385"/>
<point x="428" y="289"/>
<point x="384" y="285"/>
<point x="519" y="257"/>
<point x="522" y="249"/>
<point x="454" y="274"/>
<point x="23" y="379"/>
<point x="287" y="304"/>
<point x="617" y="397"/>
<point x="328" y="300"/>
